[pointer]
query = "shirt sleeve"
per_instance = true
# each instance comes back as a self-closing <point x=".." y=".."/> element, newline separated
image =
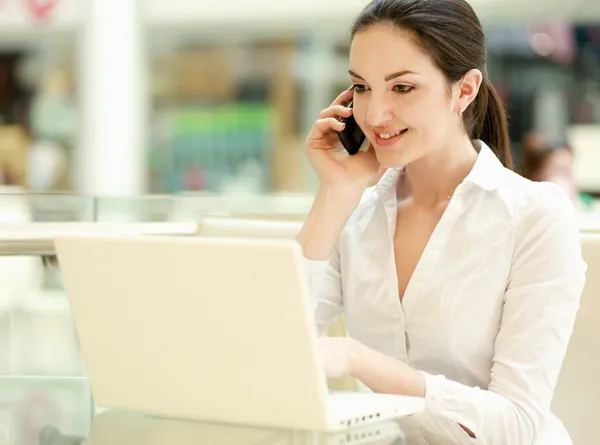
<point x="325" y="286"/>
<point x="539" y="309"/>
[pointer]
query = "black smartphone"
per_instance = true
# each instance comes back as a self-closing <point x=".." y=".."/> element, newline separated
<point x="352" y="136"/>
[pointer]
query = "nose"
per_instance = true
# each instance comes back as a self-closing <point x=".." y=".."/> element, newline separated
<point x="379" y="111"/>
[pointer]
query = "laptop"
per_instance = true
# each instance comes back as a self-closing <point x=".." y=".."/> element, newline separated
<point x="211" y="329"/>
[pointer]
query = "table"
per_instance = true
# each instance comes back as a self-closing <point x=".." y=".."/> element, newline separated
<point x="38" y="422"/>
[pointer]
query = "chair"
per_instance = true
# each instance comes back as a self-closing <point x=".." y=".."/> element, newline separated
<point x="577" y="397"/>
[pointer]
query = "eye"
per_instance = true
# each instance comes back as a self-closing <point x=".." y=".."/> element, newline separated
<point x="359" y="88"/>
<point x="403" y="89"/>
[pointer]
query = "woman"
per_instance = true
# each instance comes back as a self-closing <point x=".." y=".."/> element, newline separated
<point x="459" y="279"/>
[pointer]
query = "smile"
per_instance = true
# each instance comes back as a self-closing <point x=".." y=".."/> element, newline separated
<point x="384" y="139"/>
<point x="390" y="135"/>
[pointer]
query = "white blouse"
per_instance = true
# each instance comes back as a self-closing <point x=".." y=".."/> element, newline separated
<point x="488" y="312"/>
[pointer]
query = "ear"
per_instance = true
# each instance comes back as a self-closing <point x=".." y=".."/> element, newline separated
<point x="467" y="89"/>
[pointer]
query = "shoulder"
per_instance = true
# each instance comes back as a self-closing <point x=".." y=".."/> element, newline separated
<point x="544" y="225"/>
<point x="535" y="203"/>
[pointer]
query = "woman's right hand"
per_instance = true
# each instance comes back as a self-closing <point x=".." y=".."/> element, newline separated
<point x="328" y="157"/>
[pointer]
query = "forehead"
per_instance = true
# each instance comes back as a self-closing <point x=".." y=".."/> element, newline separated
<point x="382" y="49"/>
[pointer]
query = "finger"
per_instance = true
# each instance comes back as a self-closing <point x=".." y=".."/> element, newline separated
<point x="344" y="97"/>
<point x="336" y="111"/>
<point x="329" y="123"/>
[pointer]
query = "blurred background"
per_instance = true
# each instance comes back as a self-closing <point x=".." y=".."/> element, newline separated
<point x="155" y="96"/>
<point x="172" y="110"/>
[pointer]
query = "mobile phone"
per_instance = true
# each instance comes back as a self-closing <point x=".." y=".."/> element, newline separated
<point x="352" y="136"/>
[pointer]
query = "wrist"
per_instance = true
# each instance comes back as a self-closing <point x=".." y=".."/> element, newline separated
<point x="355" y="358"/>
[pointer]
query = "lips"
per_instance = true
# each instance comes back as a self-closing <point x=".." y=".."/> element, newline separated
<point x="390" y="138"/>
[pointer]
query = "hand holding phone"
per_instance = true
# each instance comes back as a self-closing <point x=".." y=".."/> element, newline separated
<point x="352" y="136"/>
<point x="335" y="131"/>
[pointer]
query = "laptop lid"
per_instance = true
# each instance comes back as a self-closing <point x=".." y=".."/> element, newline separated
<point x="203" y="328"/>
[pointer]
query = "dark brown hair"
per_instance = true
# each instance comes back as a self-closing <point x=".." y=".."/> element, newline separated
<point x="450" y="32"/>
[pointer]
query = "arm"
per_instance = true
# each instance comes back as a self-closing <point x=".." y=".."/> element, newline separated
<point x="328" y="215"/>
<point x="540" y="305"/>
<point x="343" y="180"/>
<point x="318" y="238"/>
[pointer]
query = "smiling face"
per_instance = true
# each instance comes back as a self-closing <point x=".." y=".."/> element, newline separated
<point x="401" y="99"/>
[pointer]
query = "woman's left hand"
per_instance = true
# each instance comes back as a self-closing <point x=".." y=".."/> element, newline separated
<point x="338" y="356"/>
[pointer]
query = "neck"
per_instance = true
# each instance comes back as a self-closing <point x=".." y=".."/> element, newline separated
<point x="434" y="178"/>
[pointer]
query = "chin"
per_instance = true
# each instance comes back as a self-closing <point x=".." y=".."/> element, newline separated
<point x="390" y="158"/>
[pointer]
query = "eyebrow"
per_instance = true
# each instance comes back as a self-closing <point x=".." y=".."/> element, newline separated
<point x="388" y="77"/>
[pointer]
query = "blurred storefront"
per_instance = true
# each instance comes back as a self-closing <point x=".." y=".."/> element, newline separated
<point x="230" y="101"/>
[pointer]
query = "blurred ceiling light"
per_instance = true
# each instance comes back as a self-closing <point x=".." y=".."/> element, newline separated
<point x="542" y="44"/>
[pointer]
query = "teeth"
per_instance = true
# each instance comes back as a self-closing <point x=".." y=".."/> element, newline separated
<point x="390" y="135"/>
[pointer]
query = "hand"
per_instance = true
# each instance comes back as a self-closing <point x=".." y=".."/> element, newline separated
<point x="337" y="356"/>
<point x="327" y="156"/>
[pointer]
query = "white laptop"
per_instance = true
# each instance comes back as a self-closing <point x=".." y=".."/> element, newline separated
<point x="209" y="329"/>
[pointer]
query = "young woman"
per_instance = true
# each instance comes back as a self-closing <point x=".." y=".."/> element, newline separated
<point x="459" y="279"/>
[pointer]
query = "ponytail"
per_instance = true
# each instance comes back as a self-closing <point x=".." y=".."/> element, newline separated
<point x="490" y="122"/>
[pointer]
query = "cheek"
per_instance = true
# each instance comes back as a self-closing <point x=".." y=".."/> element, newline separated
<point x="425" y="110"/>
